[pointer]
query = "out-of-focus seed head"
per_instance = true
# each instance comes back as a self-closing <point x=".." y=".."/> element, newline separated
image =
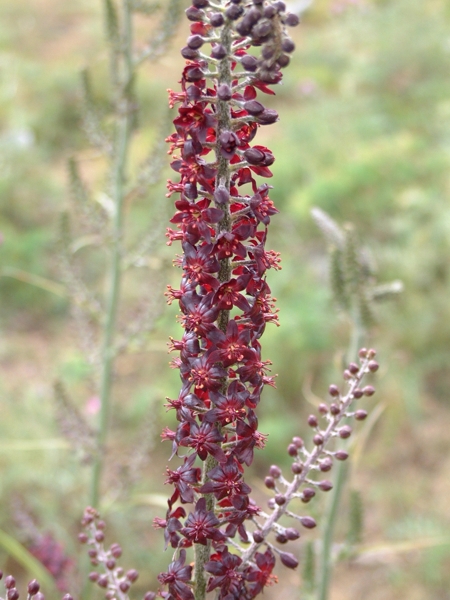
<point x="10" y="582"/>
<point x="33" y="587"/>
<point x="325" y="485"/>
<point x="345" y="432"/>
<point x="312" y="421"/>
<point x="360" y="415"/>
<point x="333" y="390"/>
<point x="308" y="522"/>
<point x="280" y="499"/>
<point x="275" y="471"/>
<point x="368" y="390"/>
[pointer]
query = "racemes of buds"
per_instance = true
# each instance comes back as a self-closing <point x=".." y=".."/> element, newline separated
<point x="108" y="575"/>
<point x="33" y="590"/>
<point x="236" y="51"/>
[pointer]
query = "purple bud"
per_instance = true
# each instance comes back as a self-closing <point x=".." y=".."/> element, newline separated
<point x="325" y="485"/>
<point x="93" y="576"/>
<point x="312" y="421"/>
<point x="341" y="455"/>
<point x="132" y="575"/>
<point x="99" y="536"/>
<point x="269" y="483"/>
<point x="262" y="29"/>
<point x="279" y="5"/>
<point x="288" y="45"/>
<point x="224" y="92"/>
<point x="67" y="597"/>
<point x="270" y="11"/>
<point x="362" y="353"/>
<point x="83" y="538"/>
<point x="345" y="432"/>
<point x="373" y="366"/>
<point x="288" y="560"/>
<point x="254" y="156"/>
<point x="116" y="550"/>
<point x="360" y="415"/>
<point x="194" y="14"/>
<point x="308" y="522"/>
<point x="195" y="41"/>
<point x="258" y="537"/>
<point x="102" y="581"/>
<point x="110" y="564"/>
<point x="353" y="368"/>
<point x="253" y="107"/>
<point x="13" y="594"/>
<point x="357" y="393"/>
<point x="308" y="494"/>
<point x="249" y="62"/>
<point x="296" y="468"/>
<point x="221" y="195"/>
<point x="318" y="439"/>
<point x="368" y="390"/>
<point x="326" y="464"/>
<point x="124" y="586"/>
<point x="233" y="12"/>
<point x="216" y="19"/>
<point x="334" y="409"/>
<point x="280" y="499"/>
<point x="283" y="60"/>
<point x="292" y="534"/>
<point x="218" y="52"/>
<point x="150" y="596"/>
<point x="298" y="441"/>
<point x="200" y="3"/>
<point x="291" y="20"/>
<point x="281" y="538"/>
<point x="292" y="450"/>
<point x="10" y="582"/>
<point x="194" y="74"/>
<point x="275" y="471"/>
<point x="333" y="390"/>
<point x="323" y="408"/>
<point x="33" y="587"/>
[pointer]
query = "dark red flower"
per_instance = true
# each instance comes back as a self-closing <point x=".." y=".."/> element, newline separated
<point x="176" y="576"/>
<point x="202" y="525"/>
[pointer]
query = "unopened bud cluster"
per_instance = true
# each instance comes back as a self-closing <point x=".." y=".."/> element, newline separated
<point x="309" y="467"/>
<point x="113" y="579"/>
<point x="33" y="590"/>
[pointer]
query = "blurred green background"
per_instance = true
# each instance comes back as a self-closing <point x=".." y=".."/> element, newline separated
<point x="364" y="135"/>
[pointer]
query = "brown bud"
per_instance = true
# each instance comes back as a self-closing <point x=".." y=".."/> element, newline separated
<point x="275" y="471"/>
<point x="368" y="390"/>
<point x="345" y="432"/>
<point x="308" y="522"/>
<point x="288" y="560"/>
<point x="325" y="485"/>
<point x="371" y="353"/>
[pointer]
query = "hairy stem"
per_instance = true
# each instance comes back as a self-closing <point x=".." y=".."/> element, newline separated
<point x="119" y="165"/>
<point x="202" y="553"/>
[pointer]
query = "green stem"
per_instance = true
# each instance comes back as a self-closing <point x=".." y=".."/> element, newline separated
<point x="121" y="151"/>
<point x="340" y="477"/>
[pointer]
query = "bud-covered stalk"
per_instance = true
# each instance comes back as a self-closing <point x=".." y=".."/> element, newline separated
<point x="224" y="298"/>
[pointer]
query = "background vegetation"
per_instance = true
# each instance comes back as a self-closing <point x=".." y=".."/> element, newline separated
<point x="364" y="135"/>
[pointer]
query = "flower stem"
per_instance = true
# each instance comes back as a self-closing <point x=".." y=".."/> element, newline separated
<point x="341" y="476"/>
<point x="119" y="164"/>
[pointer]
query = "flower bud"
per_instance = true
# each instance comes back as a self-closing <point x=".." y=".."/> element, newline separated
<point x="254" y="156"/>
<point x="292" y="450"/>
<point x="292" y="534"/>
<point x="116" y="550"/>
<point x="132" y="575"/>
<point x="233" y="12"/>
<point x="13" y="594"/>
<point x="288" y="560"/>
<point x="102" y="581"/>
<point x="296" y="468"/>
<point x="362" y="353"/>
<point x="258" y="537"/>
<point x="150" y="596"/>
<point x="298" y="441"/>
<point x="110" y="564"/>
<point x="99" y="536"/>
<point x="373" y="366"/>
<point x="10" y="582"/>
<point x="368" y="390"/>
<point x="224" y="92"/>
<point x="216" y="19"/>
<point x="318" y="439"/>
<point x="312" y="421"/>
<point x="124" y="586"/>
<point x="326" y="464"/>
<point x="308" y="522"/>
<point x="360" y="415"/>
<point x="283" y="60"/>
<point x="200" y="3"/>
<point x="308" y="494"/>
<point x="83" y="538"/>
<point x="280" y="499"/>
<point x="33" y="587"/>
<point x="93" y="576"/>
<point x="281" y="538"/>
<point x="195" y="41"/>
<point x="194" y="14"/>
<point x="334" y="409"/>
<point x="249" y="62"/>
<point x="219" y="52"/>
<point x="288" y="45"/>
<point x="325" y="485"/>
<point x="333" y="390"/>
<point x="345" y="432"/>
<point x="275" y="471"/>
<point x="291" y="20"/>
<point x="269" y="482"/>
<point x="353" y="368"/>
<point x="270" y="11"/>
<point x="221" y="195"/>
<point x="253" y="107"/>
<point x="323" y="408"/>
<point x="341" y="455"/>
<point x="357" y="393"/>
